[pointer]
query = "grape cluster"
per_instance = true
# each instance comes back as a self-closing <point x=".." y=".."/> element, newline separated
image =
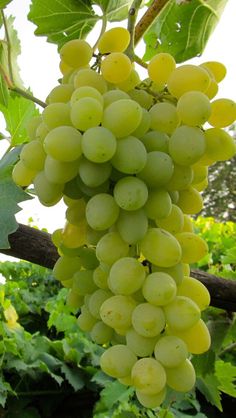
<point x="130" y="159"/>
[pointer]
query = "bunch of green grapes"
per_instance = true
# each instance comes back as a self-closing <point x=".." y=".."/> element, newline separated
<point x="130" y="166"/>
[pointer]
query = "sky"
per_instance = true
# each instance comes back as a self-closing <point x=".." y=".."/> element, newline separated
<point x="39" y="63"/>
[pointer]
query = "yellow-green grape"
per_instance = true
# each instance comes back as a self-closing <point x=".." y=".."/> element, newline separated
<point x="223" y="113"/>
<point x="200" y="173"/>
<point x="182" y="313"/>
<point x="181" y="178"/>
<point x="61" y="93"/>
<point x="188" y="224"/>
<point x="170" y="351"/>
<point x="92" y="236"/>
<point x="126" y="276"/>
<point x="65" y="267"/>
<point x="130" y="82"/>
<point x="73" y="300"/>
<point x="110" y="361"/>
<point x="194" y="290"/>
<point x="176" y="272"/>
<point x="155" y="141"/>
<point x="63" y="143"/>
<point x="194" y="248"/>
<point x="148" y="376"/>
<point x="64" y="68"/>
<point x="164" y="117"/>
<point x="33" y="156"/>
<point x="186" y="269"/>
<point x="88" y="257"/>
<point x="190" y="201"/>
<point x="47" y="192"/>
<point x="116" y="67"/>
<point x="141" y="346"/>
<point x="75" y="213"/>
<point x="32" y="126"/>
<point x="83" y="283"/>
<point x="100" y="277"/>
<point x="86" y="91"/>
<point x="56" y="237"/>
<point x="116" y="312"/>
<point x="159" y="288"/>
<point x="187" y="78"/>
<point x="76" y="53"/>
<point x="71" y="190"/>
<point x="174" y="195"/>
<point x="41" y="131"/>
<point x="60" y="171"/>
<point x="158" y="169"/>
<point x="212" y="89"/>
<point x="217" y="68"/>
<point x="122" y="117"/>
<point x="92" y="174"/>
<point x="144" y="124"/>
<point x="96" y="300"/>
<point x="158" y="204"/>
<point x="114" y="40"/>
<point x="142" y="97"/>
<point x="201" y="186"/>
<point x="181" y="378"/>
<point x="160" y="248"/>
<point x="220" y="146"/>
<point x="111" y="247"/>
<point x="86" y="113"/>
<point x="113" y="95"/>
<point x="151" y="401"/>
<point x="197" y="338"/>
<point x="74" y="235"/>
<point x="67" y="283"/>
<point x="102" y="211"/>
<point x="22" y="175"/>
<point x="101" y="333"/>
<point x="99" y="144"/>
<point x="125" y="148"/>
<point x="130" y="193"/>
<point x="132" y="225"/>
<point x="148" y="320"/>
<point x="92" y="191"/>
<point x="172" y="223"/>
<point x="86" y="321"/>
<point x="187" y="145"/>
<point x="194" y="108"/>
<point x="88" y="77"/>
<point x="56" y="114"/>
<point x="160" y="67"/>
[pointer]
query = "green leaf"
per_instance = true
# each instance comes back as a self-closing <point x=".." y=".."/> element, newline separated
<point x="61" y="21"/>
<point x="183" y="29"/>
<point x="114" y="10"/>
<point x="4" y="93"/>
<point x="73" y="376"/>
<point x="204" y="363"/>
<point x="218" y="330"/>
<point x="115" y="392"/>
<point x="230" y="256"/>
<point x="226" y="374"/>
<point x="209" y="387"/>
<point x="5" y="389"/>
<point x="4" y="3"/>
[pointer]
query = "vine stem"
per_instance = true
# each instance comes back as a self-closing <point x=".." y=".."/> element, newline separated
<point x="103" y="29"/>
<point x="132" y="16"/>
<point x="227" y="349"/>
<point x="8" y="47"/>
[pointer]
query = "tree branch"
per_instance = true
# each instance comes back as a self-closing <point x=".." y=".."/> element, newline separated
<point x="33" y="245"/>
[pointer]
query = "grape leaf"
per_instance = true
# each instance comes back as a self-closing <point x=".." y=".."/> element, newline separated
<point x="226" y="374"/>
<point x="183" y="29"/>
<point x="218" y="330"/>
<point x="5" y="390"/>
<point x="4" y="93"/>
<point x="115" y="392"/>
<point x="114" y="10"/>
<point x="61" y="21"/>
<point x="209" y="387"/>
<point x="204" y="363"/>
<point x="4" y="3"/>
<point x="230" y="256"/>
<point x="73" y="376"/>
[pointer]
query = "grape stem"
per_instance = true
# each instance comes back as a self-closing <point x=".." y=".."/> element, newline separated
<point x="132" y="16"/>
<point x="103" y="29"/>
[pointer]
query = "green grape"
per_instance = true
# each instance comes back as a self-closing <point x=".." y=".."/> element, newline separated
<point x="99" y="144"/>
<point x="127" y="381"/>
<point x="88" y="257"/>
<point x="176" y="272"/>
<point x="122" y="117"/>
<point x="96" y="300"/>
<point x="217" y="69"/>
<point x="56" y="114"/>
<point x="92" y="236"/>
<point x="75" y="212"/>
<point x="86" y="113"/>
<point x="93" y="174"/>
<point x="159" y="288"/>
<point x="194" y="248"/>
<point x="181" y="378"/>
<point x="126" y="276"/>
<point x="141" y="346"/>
<point x="86" y="91"/>
<point x="148" y="320"/>
<point x="111" y="363"/>
<point x="190" y="201"/>
<point x="116" y="312"/>
<point x="130" y="193"/>
<point x="102" y="211"/>
<point x="41" y="132"/>
<point x="188" y="225"/>
<point x="174" y="195"/>
<point x="111" y="247"/>
<point x="101" y="333"/>
<point x="187" y="78"/>
<point x="196" y="291"/>
<point x="158" y="169"/>
<point x="33" y="156"/>
<point x="151" y="401"/>
<point x="156" y="141"/>
<point x="220" y="146"/>
<point x="71" y="189"/>
<point x="92" y="191"/>
<point x="164" y="117"/>
<point x="125" y="148"/>
<point x="132" y="225"/>
<point x="76" y="53"/>
<point x="160" y="67"/>
<point x="160" y="248"/>
<point x="32" y="126"/>
<point x="23" y="176"/>
<point x="61" y="93"/>
<point x="194" y="108"/>
<point x="200" y="173"/>
<point x="100" y="277"/>
<point x="86" y="321"/>
<point x="114" y="40"/>
<point x="63" y="143"/>
<point x="182" y="313"/>
<point x="87" y="77"/>
<point x="170" y="351"/>
<point x="116" y="67"/>
<point x="142" y="97"/>
<point x="73" y="300"/>
<point x="187" y="145"/>
<point x="113" y="95"/>
<point x="144" y="124"/>
<point x="158" y="204"/>
<point x="148" y="376"/>
<point x="83" y="282"/>
<point x="60" y="172"/>
<point x="56" y="237"/>
<point x="48" y="193"/>
<point x="197" y="338"/>
<point x="65" y="267"/>
<point x="223" y="113"/>
<point x="130" y="82"/>
<point x="172" y="223"/>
